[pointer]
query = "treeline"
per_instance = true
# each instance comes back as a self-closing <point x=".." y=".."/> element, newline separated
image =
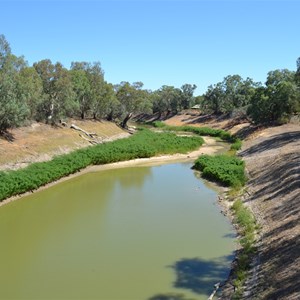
<point x="49" y="92"/>
<point x="274" y="102"/>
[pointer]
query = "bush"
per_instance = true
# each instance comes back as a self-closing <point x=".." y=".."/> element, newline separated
<point x="224" y="169"/>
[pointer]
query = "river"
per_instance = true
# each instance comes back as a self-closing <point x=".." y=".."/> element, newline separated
<point x="142" y="233"/>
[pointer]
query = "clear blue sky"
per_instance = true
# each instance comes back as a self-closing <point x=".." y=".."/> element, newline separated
<point x="158" y="42"/>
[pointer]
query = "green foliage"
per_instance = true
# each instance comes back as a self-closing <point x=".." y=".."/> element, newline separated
<point x="233" y="92"/>
<point x="227" y="170"/>
<point x="247" y="225"/>
<point x="141" y="145"/>
<point x="59" y="96"/>
<point x="204" y="131"/>
<point x="237" y="145"/>
<point x="133" y="99"/>
<point x="276" y="102"/>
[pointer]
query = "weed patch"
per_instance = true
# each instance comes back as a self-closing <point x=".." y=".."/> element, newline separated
<point x="224" y="169"/>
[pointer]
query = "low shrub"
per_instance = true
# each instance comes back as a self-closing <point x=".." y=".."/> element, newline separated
<point x="247" y="225"/>
<point x="224" y="169"/>
<point x="237" y="145"/>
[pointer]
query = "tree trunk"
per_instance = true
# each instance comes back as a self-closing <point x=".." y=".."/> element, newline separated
<point x="124" y="122"/>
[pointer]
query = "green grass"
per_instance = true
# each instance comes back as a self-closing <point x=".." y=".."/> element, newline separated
<point x="247" y="227"/>
<point x="141" y="145"/>
<point x="204" y="131"/>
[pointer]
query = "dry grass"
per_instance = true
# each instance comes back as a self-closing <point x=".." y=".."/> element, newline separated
<point x="40" y="142"/>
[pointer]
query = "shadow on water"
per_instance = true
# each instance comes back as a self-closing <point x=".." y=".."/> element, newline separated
<point x="170" y="296"/>
<point x="198" y="276"/>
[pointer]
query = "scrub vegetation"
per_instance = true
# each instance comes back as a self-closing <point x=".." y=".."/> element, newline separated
<point x="224" y="169"/>
<point x="247" y="227"/>
<point x="204" y="131"/>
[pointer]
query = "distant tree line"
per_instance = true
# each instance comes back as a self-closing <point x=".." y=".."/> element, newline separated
<point x="50" y="92"/>
<point x="274" y="102"/>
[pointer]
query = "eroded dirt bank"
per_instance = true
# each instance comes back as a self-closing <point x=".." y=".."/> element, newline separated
<point x="273" y="194"/>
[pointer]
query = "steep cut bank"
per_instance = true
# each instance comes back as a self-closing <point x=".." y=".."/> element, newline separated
<point x="273" y="193"/>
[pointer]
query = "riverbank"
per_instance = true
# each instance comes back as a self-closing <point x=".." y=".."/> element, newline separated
<point x="210" y="146"/>
<point x="272" y="194"/>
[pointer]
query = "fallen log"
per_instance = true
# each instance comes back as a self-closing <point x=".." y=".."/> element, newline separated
<point x="89" y="134"/>
<point x="93" y="142"/>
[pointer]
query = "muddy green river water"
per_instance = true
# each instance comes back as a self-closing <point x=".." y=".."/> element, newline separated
<point x="131" y="233"/>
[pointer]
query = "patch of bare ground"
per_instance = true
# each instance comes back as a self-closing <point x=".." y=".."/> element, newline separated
<point x="40" y="142"/>
<point x="273" y="165"/>
<point x="272" y="157"/>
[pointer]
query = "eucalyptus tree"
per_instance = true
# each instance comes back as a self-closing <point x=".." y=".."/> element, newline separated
<point x="277" y="101"/>
<point x="113" y="106"/>
<point x="133" y="100"/>
<point x="187" y="95"/>
<point x="30" y="88"/>
<point x="214" y="99"/>
<point x="233" y="92"/>
<point x="167" y="100"/>
<point x="82" y="89"/>
<point x="297" y="75"/>
<point x="58" y="94"/>
<point x="95" y="76"/>
<point x="13" y="109"/>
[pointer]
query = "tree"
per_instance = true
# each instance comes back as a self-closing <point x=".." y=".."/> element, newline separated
<point x="187" y="95"/>
<point x="82" y="89"/>
<point x="214" y="99"/>
<point x="133" y="99"/>
<point x="233" y="92"/>
<point x="96" y="79"/>
<point x="30" y="88"/>
<point x="13" y="109"/>
<point x="297" y="74"/>
<point x="276" y="102"/>
<point x="167" y="100"/>
<point x="59" y="97"/>
<point x="112" y="103"/>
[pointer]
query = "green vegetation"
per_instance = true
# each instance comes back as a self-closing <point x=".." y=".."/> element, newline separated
<point x="237" y="145"/>
<point x="204" y="131"/>
<point x="247" y="226"/>
<point x="141" y="145"/>
<point x="224" y="169"/>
